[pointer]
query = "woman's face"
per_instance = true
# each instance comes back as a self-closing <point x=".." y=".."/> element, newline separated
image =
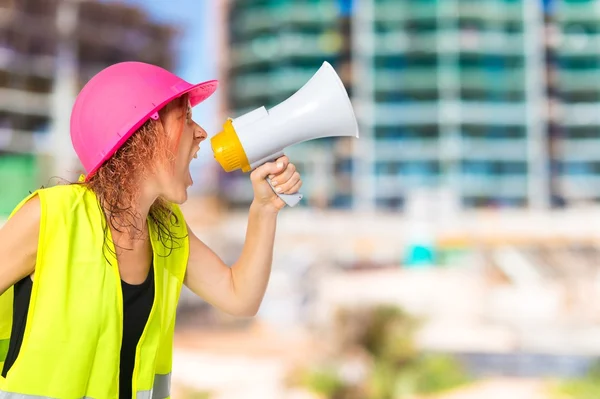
<point x="174" y="183"/>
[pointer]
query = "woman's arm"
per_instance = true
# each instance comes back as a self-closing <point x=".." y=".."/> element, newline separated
<point x="18" y="244"/>
<point x="239" y="290"/>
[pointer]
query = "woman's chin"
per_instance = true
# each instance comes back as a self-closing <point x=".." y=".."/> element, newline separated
<point x="177" y="196"/>
<point x="182" y="197"/>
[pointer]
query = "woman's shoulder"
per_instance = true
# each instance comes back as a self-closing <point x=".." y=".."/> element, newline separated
<point x="19" y="241"/>
<point x="27" y="213"/>
<point x="67" y="193"/>
<point x="31" y="208"/>
<point x="65" y="189"/>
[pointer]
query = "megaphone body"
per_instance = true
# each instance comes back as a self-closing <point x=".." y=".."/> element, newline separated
<point x="321" y="108"/>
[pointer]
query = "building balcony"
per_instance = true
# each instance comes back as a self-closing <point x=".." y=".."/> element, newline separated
<point x="579" y="45"/>
<point x="573" y="150"/>
<point x="586" y="80"/>
<point x="252" y="20"/>
<point x="13" y="100"/>
<point x="414" y="79"/>
<point x="493" y="149"/>
<point x="392" y="10"/>
<point x="387" y="80"/>
<point x="115" y="34"/>
<point x="398" y="185"/>
<point x="406" y="150"/>
<point x="280" y="82"/>
<point x="255" y="19"/>
<point x="495" y="10"/>
<point x="390" y="114"/>
<point x="275" y="47"/>
<point x="36" y="65"/>
<point x="449" y="41"/>
<point x="29" y="25"/>
<point x="577" y="11"/>
<point x="583" y="114"/>
<point x="398" y="42"/>
<point x="459" y="112"/>
<point x="580" y="187"/>
<point x="481" y="79"/>
<point x="494" y="185"/>
<point x="314" y="13"/>
<point x="254" y="55"/>
<point x="23" y="141"/>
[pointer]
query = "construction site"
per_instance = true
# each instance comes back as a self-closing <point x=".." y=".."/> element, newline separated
<point x="470" y="201"/>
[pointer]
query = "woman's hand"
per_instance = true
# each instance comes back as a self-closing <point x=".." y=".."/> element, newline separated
<point x="284" y="178"/>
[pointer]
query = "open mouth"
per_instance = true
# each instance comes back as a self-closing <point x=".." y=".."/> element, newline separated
<point x="190" y="180"/>
<point x="189" y="174"/>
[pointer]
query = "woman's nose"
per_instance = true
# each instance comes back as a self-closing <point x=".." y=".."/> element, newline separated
<point x="200" y="133"/>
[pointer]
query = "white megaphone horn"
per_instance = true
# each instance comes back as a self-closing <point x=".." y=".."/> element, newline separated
<point x="321" y="108"/>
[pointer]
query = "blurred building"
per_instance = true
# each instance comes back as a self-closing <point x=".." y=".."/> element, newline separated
<point x="448" y="94"/>
<point x="576" y="78"/>
<point x="42" y="67"/>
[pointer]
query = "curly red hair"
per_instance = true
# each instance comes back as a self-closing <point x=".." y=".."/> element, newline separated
<point x="153" y="145"/>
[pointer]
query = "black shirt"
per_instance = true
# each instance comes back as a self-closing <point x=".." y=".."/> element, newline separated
<point x="137" y="303"/>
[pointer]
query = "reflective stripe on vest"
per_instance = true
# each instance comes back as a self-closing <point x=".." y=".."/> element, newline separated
<point x="76" y="307"/>
<point x="161" y="390"/>
<point x="10" y="395"/>
<point x="162" y="386"/>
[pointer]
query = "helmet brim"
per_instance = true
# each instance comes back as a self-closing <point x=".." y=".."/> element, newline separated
<point x="201" y="91"/>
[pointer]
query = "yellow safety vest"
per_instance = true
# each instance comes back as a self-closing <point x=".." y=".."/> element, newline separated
<point x="72" y="340"/>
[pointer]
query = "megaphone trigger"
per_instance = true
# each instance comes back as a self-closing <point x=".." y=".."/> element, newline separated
<point x="290" y="200"/>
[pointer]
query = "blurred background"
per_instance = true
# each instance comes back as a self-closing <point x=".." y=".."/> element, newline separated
<point x="450" y="252"/>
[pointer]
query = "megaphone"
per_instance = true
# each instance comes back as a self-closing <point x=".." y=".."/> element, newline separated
<point x="320" y="108"/>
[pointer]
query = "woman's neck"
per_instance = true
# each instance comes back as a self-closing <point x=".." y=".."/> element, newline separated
<point x="130" y="223"/>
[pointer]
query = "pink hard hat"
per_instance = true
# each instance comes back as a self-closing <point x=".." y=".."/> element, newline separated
<point x="120" y="99"/>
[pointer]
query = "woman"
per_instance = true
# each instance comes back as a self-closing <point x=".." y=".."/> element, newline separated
<point x="91" y="272"/>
